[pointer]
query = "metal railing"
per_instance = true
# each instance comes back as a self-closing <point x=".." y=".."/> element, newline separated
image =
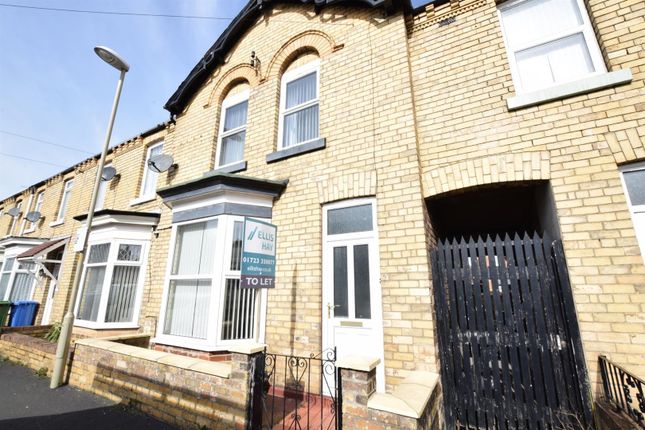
<point x="623" y="390"/>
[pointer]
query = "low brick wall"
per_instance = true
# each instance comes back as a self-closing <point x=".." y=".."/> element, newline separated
<point x="25" y="345"/>
<point x="415" y="404"/>
<point x="183" y="391"/>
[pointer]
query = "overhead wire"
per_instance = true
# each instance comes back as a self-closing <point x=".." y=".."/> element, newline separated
<point x="142" y="14"/>
<point x="33" y="160"/>
<point x="46" y="142"/>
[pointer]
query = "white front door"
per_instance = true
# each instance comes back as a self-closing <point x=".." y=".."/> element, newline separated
<point x="352" y="311"/>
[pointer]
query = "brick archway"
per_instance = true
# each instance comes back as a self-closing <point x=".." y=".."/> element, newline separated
<point x="525" y="166"/>
<point x="237" y="74"/>
<point x="311" y="40"/>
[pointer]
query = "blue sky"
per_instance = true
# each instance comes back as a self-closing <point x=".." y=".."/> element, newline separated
<point x="53" y="87"/>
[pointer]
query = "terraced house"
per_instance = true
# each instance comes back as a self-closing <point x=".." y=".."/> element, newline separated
<point x="458" y="189"/>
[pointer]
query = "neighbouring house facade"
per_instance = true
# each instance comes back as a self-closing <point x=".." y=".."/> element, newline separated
<point x="369" y="132"/>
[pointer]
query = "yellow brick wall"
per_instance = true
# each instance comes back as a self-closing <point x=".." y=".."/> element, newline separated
<point x="409" y="110"/>
<point x="368" y="123"/>
<point x="468" y="137"/>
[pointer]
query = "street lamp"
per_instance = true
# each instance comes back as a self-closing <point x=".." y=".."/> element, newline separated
<point x="62" y="350"/>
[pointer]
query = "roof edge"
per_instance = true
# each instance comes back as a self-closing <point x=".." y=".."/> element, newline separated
<point x="216" y="54"/>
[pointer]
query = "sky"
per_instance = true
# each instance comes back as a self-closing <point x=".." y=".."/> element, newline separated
<point x="54" y="88"/>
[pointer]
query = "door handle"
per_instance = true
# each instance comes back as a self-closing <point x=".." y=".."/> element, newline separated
<point x="329" y="308"/>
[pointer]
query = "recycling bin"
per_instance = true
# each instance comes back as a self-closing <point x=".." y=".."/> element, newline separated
<point x="23" y="313"/>
<point x="4" y="311"/>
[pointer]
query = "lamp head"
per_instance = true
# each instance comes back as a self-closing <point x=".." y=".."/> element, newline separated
<point x="112" y="58"/>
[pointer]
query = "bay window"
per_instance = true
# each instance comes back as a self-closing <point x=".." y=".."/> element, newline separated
<point x="111" y="284"/>
<point x="299" y="107"/>
<point x="17" y="280"/>
<point x="204" y="305"/>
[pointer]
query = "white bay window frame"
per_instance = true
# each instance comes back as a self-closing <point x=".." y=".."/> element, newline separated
<point x="229" y="102"/>
<point x="288" y="77"/>
<point x="110" y="265"/>
<point x="221" y="272"/>
<point x="584" y="29"/>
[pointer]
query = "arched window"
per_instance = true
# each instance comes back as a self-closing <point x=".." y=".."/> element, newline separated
<point x="299" y="103"/>
<point x="232" y="128"/>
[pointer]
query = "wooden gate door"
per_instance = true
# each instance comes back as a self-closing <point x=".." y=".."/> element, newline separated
<point x="510" y="348"/>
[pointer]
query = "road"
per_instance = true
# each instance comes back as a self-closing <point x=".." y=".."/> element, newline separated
<point x="27" y="402"/>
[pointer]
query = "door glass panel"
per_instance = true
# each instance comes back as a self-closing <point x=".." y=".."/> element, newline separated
<point x="349" y="220"/>
<point x="362" y="282"/>
<point x="635" y="182"/>
<point x="340" y="282"/>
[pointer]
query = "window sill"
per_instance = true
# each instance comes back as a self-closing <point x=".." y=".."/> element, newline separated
<point x="240" y="166"/>
<point x="142" y="199"/>
<point x="57" y="223"/>
<point x="196" y="344"/>
<point x="581" y="86"/>
<point x="105" y="326"/>
<point x="303" y="148"/>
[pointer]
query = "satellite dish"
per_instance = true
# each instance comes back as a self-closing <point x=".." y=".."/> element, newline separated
<point x="108" y="174"/>
<point x="160" y="163"/>
<point x="13" y="212"/>
<point x="33" y="216"/>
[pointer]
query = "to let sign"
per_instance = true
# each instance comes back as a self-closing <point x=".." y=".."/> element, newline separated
<point x="258" y="254"/>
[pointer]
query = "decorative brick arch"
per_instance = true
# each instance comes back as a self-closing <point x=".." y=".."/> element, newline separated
<point x="524" y="166"/>
<point x="240" y="73"/>
<point x="310" y="40"/>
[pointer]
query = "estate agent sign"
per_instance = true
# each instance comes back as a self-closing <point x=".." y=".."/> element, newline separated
<point x="258" y="254"/>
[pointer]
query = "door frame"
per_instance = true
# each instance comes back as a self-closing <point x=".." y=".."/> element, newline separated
<point x="371" y="239"/>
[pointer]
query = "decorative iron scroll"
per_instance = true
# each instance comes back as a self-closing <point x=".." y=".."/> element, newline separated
<point x="623" y="390"/>
<point x="297" y="392"/>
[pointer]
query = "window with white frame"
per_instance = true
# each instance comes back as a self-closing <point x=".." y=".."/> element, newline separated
<point x="232" y="133"/>
<point x="14" y="219"/>
<point x="549" y="42"/>
<point x="299" y="107"/>
<point x="17" y="280"/>
<point x="204" y="303"/>
<point x="5" y="276"/>
<point x="112" y="283"/>
<point x="149" y="181"/>
<point x="100" y="195"/>
<point x="67" y="191"/>
<point x="633" y="177"/>
<point x="37" y="207"/>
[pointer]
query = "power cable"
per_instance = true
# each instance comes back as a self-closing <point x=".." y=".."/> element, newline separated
<point x="104" y="12"/>
<point x="144" y="14"/>
<point x="32" y="160"/>
<point x="45" y="142"/>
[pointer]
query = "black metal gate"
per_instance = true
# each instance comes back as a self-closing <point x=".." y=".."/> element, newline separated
<point x="511" y="353"/>
<point x="296" y="392"/>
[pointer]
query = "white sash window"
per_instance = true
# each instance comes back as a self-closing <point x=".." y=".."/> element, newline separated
<point x="633" y="177"/>
<point x="232" y="134"/>
<point x="549" y="42"/>
<point x="299" y="107"/>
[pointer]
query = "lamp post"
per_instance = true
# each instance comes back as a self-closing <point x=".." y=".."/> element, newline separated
<point x="62" y="350"/>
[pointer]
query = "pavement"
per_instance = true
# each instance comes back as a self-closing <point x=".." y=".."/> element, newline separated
<point x="27" y="402"/>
